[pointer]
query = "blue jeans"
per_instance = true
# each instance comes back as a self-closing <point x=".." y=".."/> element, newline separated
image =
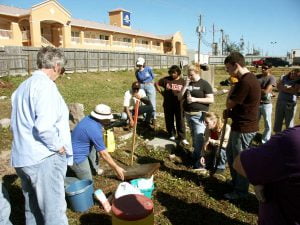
<point x="4" y="206"/>
<point x="143" y="109"/>
<point x="284" y="111"/>
<point x="210" y="159"/>
<point x="197" y="127"/>
<point x="43" y="190"/>
<point x="237" y="143"/>
<point x="265" y="110"/>
<point x="151" y="93"/>
<point x="82" y="170"/>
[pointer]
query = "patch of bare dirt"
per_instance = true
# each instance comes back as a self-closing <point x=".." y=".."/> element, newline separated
<point x="5" y="168"/>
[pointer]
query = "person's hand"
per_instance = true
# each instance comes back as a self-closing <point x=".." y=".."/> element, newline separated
<point x="62" y="151"/>
<point x="259" y="193"/>
<point x="131" y="123"/>
<point x="225" y="114"/>
<point x="136" y="95"/>
<point x="187" y="81"/>
<point x="202" y="161"/>
<point x="120" y="172"/>
<point x="190" y="99"/>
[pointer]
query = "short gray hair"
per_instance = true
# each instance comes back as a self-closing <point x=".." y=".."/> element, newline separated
<point x="48" y="57"/>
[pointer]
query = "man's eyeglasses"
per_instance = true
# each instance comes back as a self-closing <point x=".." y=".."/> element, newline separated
<point x="265" y="68"/>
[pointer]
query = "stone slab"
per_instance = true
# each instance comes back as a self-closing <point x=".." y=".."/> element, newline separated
<point x="161" y="143"/>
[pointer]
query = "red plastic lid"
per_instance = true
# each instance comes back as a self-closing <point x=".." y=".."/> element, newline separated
<point x="132" y="207"/>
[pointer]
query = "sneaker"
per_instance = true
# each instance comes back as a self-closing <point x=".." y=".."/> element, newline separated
<point x="234" y="195"/>
<point x="172" y="138"/>
<point x="201" y="171"/>
<point x="185" y="142"/>
<point x="100" y="171"/>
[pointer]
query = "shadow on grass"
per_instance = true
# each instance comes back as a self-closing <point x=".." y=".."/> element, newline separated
<point x="216" y="189"/>
<point x="17" y="215"/>
<point x="180" y="212"/>
<point x="95" y="219"/>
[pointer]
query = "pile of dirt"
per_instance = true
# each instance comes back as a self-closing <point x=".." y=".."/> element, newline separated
<point x="4" y="84"/>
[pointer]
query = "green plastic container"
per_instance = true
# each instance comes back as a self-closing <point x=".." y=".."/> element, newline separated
<point x="146" y="192"/>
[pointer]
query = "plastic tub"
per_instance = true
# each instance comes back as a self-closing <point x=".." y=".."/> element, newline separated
<point x="146" y="192"/>
<point x="80" y="195"/>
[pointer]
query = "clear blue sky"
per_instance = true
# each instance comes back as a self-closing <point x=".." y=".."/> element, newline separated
<point x="259" y="22"/>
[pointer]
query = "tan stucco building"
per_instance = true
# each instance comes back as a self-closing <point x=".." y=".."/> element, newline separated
<point x="49" y="23"/>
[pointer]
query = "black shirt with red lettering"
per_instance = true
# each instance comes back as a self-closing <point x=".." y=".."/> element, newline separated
<point x="171" y="89"/>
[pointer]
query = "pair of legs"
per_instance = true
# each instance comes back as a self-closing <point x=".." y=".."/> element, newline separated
<point x="143" y="109"/>
<point x="83" y="170"/>
<point x="210" y="162"/>
<point x="284" y="111"/>
<point x="151" y="93"/>
<point x="197" y="127"/>
<point x="171" y="111"/>
<point x="265" y="110"/>
<point x="5" y="208"/>
<point x="237" y="143"/>
<point x="43" y="190"/>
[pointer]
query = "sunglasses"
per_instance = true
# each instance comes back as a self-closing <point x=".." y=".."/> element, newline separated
<point x="265" y="68"/>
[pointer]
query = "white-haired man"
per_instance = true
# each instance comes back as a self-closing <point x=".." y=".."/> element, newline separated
<point x="41" y="147"/>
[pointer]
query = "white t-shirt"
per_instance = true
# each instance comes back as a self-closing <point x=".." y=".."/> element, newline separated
<point x="130" y="101"/>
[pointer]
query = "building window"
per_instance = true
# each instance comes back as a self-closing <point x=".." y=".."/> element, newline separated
<point x="144" y="42"/>
<point x="75" y="34"/>
<point x="127" y="40"/>
<point x="103" y="37"/>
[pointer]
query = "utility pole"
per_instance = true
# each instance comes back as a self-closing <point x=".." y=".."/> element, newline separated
<point x="222" y="51"/>
<point x="199" y="30"/>
<point x="214" y="45"/>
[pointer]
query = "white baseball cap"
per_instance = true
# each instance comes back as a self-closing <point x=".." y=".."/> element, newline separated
<point x="102" y="112"/>
<point x="140" y="61"/>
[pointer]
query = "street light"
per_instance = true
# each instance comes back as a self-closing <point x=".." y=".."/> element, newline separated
<point x="273" y="43"/>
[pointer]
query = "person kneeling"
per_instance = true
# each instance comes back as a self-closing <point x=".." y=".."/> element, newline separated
<point x="131" y="98"/>
<point x="88" y="135"/>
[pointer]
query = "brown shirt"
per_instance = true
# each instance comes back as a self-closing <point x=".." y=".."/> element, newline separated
<point x="246" y="94"/>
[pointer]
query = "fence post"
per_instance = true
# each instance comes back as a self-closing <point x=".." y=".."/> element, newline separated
<point x="98" y="61"/>
<point x="29" y="63"/>
<point x="87" y="61"/>
<point x="75" y="66"/>
<point x="108" y="62"/>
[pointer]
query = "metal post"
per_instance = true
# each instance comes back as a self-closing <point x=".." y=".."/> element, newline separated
<point x="199" y="38"/>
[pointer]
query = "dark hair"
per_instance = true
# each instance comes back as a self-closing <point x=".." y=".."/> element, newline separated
<point x="267" y="65"/>
<point x="174" y="69"/>
<point x="235" y="57"/>
<point x="135" y="85"/>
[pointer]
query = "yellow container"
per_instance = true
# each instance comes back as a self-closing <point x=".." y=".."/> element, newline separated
<point x="132" y="210"/>
<point x="109" y="140"/>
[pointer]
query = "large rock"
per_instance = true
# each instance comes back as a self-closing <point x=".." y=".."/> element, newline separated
<point x="160" y="143"/>
<point x="76" y="114"/>
<point x="5" y="123"/>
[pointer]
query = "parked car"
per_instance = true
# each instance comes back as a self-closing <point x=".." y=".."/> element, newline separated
<point x="270" y="60"/>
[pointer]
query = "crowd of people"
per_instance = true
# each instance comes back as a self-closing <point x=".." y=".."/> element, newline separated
<point x="43" y="146"/>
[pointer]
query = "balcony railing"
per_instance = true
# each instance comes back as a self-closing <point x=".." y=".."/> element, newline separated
<point x="5" y="34"/>
<point x="96" y="41"/>
<point x="156" y="47"/>
<point x="122" y="44"/>
<point x="25" y="35"/>
<point x="75" y="39"/>
<point x="139" y="45"/>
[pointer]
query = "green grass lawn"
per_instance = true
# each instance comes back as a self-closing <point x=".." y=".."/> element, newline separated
<point x="181" y="196"/>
